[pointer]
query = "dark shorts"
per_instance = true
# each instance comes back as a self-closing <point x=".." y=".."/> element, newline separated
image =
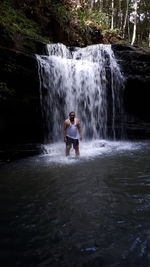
<point x="71" y="141"/>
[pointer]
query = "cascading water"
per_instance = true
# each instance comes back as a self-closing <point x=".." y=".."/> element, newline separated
<point x="85" y="80"/>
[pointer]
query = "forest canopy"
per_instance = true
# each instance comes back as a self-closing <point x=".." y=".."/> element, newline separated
<point x="130" y="17"/>
<point x="126" y="20"/>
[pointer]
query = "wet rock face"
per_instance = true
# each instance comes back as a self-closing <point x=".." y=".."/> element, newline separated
<point x="135" y="65"/>
<point x="20" y="114"/>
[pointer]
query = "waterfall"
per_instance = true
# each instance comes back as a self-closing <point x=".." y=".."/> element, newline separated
<point x="85" y="80"/>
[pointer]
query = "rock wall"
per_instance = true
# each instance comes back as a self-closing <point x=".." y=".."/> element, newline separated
<point x="135" y="65"/>
<point x="20" y="112"/>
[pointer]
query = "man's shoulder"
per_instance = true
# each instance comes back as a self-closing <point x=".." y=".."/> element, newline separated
<point x="67" y="121"/>
<point x="77" y="120"/>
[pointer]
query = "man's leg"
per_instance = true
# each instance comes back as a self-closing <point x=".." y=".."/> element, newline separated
<point x="68" y="146"/>
<point x="77" y="152"/>
<point x="68" y="150"/>
<point x="76" y="147"/>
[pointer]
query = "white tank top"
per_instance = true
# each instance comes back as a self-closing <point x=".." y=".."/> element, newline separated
<point x="72" y="130"/>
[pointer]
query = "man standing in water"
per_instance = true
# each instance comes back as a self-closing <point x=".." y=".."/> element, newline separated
<point x="71" y="130"/>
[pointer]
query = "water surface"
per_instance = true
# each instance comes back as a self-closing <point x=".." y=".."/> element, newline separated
<point x="92" y="211"/>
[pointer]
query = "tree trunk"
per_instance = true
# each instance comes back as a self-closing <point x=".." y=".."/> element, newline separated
<point x="149" y="39"/>
<point x="100" y="5"/>
<point x="129" y="31"/>
<point x="112" y="15"/>
<point x="119" y="16"/>
<point x="126" y="18"/>
<point x="135" y="23"/>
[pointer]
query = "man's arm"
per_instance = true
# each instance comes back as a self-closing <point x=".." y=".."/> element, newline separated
<point x="79" y="129"/>
<point x="65" y="127"/>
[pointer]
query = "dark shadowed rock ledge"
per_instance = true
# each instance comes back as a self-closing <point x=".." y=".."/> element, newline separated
<point x="135" y="66"/>
<point x="11" y="152"/>
<point x="20" y="110"/>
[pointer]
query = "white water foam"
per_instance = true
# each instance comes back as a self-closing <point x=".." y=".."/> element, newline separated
<point x="89" y="150"/>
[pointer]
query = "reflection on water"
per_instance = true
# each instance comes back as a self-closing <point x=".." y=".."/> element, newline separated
<point x="93" y="211"/>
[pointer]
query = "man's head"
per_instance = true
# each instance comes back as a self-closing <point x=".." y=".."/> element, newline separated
<point x="72" y="115"/>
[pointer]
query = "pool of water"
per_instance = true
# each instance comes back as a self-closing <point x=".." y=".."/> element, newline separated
<point x="69" y="212"/>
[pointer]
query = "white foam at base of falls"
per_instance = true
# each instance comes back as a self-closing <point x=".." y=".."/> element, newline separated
<point x="89" y="150"/>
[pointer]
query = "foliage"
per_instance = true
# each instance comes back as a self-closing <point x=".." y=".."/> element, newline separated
<point x="40" y="19"/>
<point x="15" y="21"/>
<point x="99" y="19"/>
<point x="61" y="13"/>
